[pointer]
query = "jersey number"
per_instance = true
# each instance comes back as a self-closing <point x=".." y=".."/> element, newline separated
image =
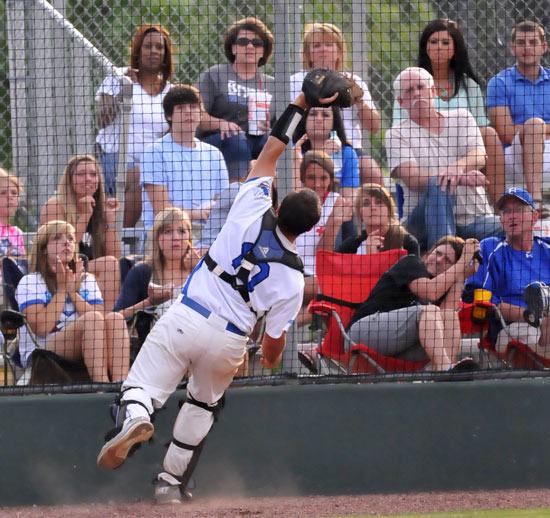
<point x="260" y="276"/>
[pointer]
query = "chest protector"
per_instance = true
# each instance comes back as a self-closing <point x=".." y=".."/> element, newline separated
<point x="266" y="249"/>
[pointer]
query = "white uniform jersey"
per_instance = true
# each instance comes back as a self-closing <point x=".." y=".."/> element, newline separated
<point x="277" y="290"/>
<point x="33" y="290"/>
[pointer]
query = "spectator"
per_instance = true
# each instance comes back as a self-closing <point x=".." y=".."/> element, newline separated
<point x="324" y="47"/>
<point x="443" y="53"/>
<point x="437" y="157"/>
<point x="375" y="209"/>
<point x="150" y="70"/>
<point x="511" y="263"/>
<point x="411" y="311"/>
<point x="81" y="202"/>
<point x="229" y="91"/>
<point x="156" y="281"/>
<point x="315" y="132"/>
<point x="518" y="104"/>
<point x="178" y="169"/>
<point x="11" y="237"/>
<point x="317" y="174"/>
<point x="60" y="301"/>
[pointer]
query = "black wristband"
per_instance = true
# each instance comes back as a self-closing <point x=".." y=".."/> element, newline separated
<point x="287" y="122"/>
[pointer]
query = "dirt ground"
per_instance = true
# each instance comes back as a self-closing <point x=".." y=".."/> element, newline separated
<point x="298" y="506"/>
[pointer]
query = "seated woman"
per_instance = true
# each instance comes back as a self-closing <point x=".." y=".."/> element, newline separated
<point x="61" y="302"/>
<point x="237" y="96"/>
<point x="411" y="312"/>
<point x="324" y="47"/>
<point x="317" y="174"/>
<point x="375" y="209"/>
<point x="442" y="51"/>
<point x="315" y="132"/>
<point x="81" y="202"/>
<point x="158" y="280"/>
<point x="11" y="237"/>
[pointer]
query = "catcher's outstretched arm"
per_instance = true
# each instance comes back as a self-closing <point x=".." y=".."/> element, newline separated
<point x="266" y="164"/>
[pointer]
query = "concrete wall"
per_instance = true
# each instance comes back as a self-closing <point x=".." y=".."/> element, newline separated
<point x="324" y="439"/>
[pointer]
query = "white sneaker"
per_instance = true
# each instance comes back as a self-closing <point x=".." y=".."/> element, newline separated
<point x="115" y="451"/>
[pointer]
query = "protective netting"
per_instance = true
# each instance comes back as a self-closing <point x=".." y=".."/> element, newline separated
<point x="66" y="89"/>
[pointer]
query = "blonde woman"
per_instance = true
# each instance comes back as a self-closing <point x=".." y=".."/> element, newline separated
<point x="81" y="202"/>
<point x="158" y="280"/>
<point x="375" y="210"/>
<point x="324" y="47"/>
<point x="61" y="303"/>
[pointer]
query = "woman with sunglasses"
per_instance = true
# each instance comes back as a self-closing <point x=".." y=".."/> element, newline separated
<point x="237" y="96"/>
<point x="443" y="53"/>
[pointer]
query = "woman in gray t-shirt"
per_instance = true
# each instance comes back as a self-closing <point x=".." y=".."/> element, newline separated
<point x="237" y="96"/>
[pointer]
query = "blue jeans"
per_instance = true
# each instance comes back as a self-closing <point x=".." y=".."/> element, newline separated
<point x="108" y="163"/>
<point x="434" y="218"/>
<point x="238" y="151"/>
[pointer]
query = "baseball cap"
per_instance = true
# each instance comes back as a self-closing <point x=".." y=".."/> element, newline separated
<point x="520" y="194"/>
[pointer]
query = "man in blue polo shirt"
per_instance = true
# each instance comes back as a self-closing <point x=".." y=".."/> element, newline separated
<point x="511" y="263"/>
<point x="518" y="105"/>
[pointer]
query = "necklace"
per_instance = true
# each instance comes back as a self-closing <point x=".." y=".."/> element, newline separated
<point x="445" y="91"/>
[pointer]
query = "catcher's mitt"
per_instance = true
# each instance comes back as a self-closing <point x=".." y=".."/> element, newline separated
<point x="322" y="83"/>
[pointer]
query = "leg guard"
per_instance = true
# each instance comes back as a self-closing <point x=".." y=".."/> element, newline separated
<point x="192" y="426"/>
<point x="287" y="122"/>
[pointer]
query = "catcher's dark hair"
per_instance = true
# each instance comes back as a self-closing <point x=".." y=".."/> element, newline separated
<point x="248" y="24"/>
<point x="460" y="62"/>
<point x="337" y="125"/>
<point x="299" y="212"/>
<point x="180" y="94"/>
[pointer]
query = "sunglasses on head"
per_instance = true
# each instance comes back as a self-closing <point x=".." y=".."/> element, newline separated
<point x="244" y="42"/>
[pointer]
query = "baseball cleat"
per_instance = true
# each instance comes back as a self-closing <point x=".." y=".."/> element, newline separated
<point x="536" y="296"/>
<point x="166" y="493"/>
<point x="115" y="451"/>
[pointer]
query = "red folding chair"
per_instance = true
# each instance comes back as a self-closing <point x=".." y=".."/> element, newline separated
<point x="517" y="355"/>
<point x="345" y="281"/>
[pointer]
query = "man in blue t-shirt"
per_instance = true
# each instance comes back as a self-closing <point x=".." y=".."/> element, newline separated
<point x="510" y="264"/>
<point x="518" y="105"/>
<point x="178" y="169"/>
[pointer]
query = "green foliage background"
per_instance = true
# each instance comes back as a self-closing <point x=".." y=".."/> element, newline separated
<point x="197" y="28"/>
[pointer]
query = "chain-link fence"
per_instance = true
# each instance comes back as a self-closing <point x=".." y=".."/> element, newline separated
<point x="54" y="57"/>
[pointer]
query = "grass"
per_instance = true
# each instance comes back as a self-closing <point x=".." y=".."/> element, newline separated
<point x="497" y="513"/>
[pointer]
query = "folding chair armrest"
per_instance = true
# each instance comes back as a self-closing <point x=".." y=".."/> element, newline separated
<point x="321" y="307"/>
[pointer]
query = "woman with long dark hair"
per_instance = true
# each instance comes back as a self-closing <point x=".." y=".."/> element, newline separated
<point x="443" y="53"/>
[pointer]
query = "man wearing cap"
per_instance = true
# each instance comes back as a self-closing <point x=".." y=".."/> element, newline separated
<point x="511" y="263"/>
